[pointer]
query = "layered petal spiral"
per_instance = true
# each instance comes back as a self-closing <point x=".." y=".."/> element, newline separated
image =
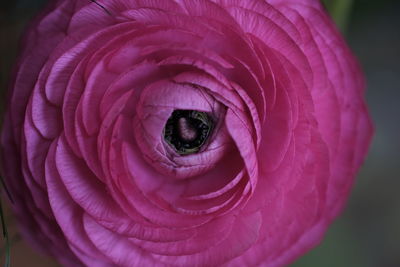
<point x="182" y="132"/>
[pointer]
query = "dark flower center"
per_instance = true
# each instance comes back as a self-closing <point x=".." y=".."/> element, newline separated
<point x="187" y="130"/>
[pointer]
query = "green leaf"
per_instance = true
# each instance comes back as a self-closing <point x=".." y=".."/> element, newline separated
<point x="4" y="226"/>
<point x="340" y="11"/>
<point x="5" y="236"/>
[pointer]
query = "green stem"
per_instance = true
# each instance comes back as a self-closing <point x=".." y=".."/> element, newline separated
<point x="5" y="236"/>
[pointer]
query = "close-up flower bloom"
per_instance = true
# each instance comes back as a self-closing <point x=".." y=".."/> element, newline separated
<point x="182" y="132"/>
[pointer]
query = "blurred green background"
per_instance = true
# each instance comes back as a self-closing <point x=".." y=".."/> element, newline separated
<point x="368" y="232"/>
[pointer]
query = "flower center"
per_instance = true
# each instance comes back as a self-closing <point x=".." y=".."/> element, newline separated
<point x="187" y="130"/>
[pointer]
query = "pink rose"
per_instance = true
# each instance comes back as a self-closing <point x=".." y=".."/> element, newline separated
<point x="182" y="133"/>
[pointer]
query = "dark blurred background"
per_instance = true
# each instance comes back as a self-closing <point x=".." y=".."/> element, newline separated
<point x="368" y="232"/>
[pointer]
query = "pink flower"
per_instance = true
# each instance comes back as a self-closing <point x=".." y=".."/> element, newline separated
<point x="182" y="133"/>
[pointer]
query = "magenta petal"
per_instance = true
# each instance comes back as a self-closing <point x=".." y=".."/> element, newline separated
<point x="65" y="210"/>
<point x="277" y="135"/>
<point x="45" y="116"/>
<point x="115" y="247"/>
<point x="227" y="174"/>
<point x="213" y="233"/>
<point x="240" y="133"/>
<point x="244" y="230"/>
<point x="96" y="85"/>
<point x="71" y="172"/>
